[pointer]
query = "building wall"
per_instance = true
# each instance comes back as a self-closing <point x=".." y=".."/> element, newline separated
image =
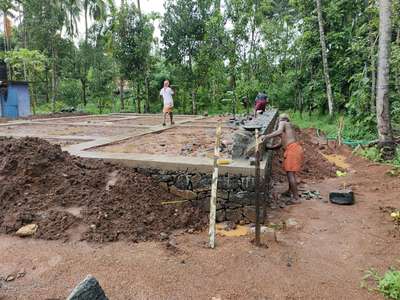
<point x="18" y="101"/>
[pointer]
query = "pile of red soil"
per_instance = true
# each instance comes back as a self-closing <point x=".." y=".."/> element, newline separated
<point x="66" y="195"/>
<point x="316" y="167"/>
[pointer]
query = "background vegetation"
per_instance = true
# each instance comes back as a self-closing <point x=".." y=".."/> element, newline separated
<point x="215" y="52"/>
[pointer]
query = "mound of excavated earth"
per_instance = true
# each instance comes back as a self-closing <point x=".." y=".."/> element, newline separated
<point x="90" y="200"/>
<point x="315" y="167"/>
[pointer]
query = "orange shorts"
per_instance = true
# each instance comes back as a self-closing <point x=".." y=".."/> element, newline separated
<point x="293" y="158"/>
<point x="168" y="109"/>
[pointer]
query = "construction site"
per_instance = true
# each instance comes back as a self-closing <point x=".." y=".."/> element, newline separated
<point x="127" y="200"/>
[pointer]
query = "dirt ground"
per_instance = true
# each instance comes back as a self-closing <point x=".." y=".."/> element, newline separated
<point x="185" y="141"/>
<point x="153" y="121"/>
<point x="46" y="116"/>
<point x="63" y="130"/>
<point x="323" y="256"/>
<point x="83" y="119"/>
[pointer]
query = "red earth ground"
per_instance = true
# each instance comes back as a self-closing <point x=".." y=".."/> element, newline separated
<point x="323" y="257"/>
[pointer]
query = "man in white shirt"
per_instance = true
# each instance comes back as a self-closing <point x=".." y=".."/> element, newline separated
<point x="166" y="95"/>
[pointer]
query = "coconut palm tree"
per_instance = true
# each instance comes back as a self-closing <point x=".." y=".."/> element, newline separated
<point x="5" y="7"/>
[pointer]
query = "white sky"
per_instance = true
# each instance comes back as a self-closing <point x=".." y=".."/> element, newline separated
<point x="147" y="6"/>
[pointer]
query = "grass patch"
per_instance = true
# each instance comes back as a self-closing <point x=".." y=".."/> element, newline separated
<point x="374" y="154"/>
<point x="388" y="284"/>
<point x="352" y="130"/>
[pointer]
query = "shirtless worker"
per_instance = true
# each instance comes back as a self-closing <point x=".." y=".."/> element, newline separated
<point x="294" y="154"/>
<point x="166" y="96"/>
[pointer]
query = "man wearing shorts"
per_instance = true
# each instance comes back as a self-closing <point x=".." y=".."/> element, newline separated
<point x="166" y="96"/>
<point x="294" y="154"/>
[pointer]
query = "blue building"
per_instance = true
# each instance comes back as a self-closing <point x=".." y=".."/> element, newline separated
<point x="14" y="99"/>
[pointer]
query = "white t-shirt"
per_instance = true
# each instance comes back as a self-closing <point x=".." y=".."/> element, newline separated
<point x="167" y="93"/>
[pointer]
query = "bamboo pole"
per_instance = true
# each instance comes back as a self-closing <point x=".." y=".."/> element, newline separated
<point x="214" y="188"/>
<point x="267" y="185"/>
<point x="257" y="165"/>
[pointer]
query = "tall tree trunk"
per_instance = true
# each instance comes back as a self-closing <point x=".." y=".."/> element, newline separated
<point x="83" y="82"/>
<point x="53" y="81"/>
<point x="373" y="73"/>
<point x="86" y="4"/>
<point x="33" y="100"/>
<point x="193" y="88"/>
<point x="382" y="98"/>
<point x="146" y="82"/>
<point x="252" y="41"/>
<point x="372" y="55"/>
<point x="121" y="93"/>
<point x="24" y="42"/>
<point x="47" y="83"/>
<point x="5" y="29"/>
<point x="138" y="104"/>
<point x="138" y="7"/>
<point x="83" y="79"/>
<point x="324" y="58"/>
<point x="193" y="101"/>
<point x="397" y="73"/>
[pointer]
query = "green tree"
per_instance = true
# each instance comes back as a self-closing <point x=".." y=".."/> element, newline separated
<point x="183" y="29"/>
<point x="132" y="35"/>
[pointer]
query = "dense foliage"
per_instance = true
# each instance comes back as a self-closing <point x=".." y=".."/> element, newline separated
<point x="215" y="52"/>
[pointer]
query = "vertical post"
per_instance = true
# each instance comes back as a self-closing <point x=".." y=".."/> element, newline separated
<point x="340" y="131"/>
<point x="257" y="240"/>
<point x="214" y="188"/>
<point x="267" y="184"/>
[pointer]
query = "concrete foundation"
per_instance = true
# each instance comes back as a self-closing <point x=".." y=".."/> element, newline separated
<point x="179" y="157"/>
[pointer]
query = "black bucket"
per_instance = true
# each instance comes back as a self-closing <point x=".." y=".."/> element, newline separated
<point x="3" y="71"/>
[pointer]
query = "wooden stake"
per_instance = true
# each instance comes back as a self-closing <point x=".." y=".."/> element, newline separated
<point x="257" y="190"/>
<point x="214" y="188"/>
<point x="267" y="185"/>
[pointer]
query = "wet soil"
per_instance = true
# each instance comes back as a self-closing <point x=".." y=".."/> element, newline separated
<point x="40" y="184"/>
<point x="324" y="256"/>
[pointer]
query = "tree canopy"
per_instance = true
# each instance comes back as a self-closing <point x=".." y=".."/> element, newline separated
<point x="313" y="56"/>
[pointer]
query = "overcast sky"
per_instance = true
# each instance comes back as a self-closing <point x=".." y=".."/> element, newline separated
<point x="147" y="6"/>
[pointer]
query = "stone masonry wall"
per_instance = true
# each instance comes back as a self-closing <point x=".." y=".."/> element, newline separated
<point x="236" y="194"/>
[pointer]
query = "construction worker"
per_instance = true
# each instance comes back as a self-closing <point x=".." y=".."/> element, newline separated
<point x="166" y="94"/>
<point x="294" y="154"/>
<point x="260" y="104"/>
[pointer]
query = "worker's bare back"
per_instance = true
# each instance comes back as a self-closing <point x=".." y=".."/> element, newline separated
<point x="289" y="135"/>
